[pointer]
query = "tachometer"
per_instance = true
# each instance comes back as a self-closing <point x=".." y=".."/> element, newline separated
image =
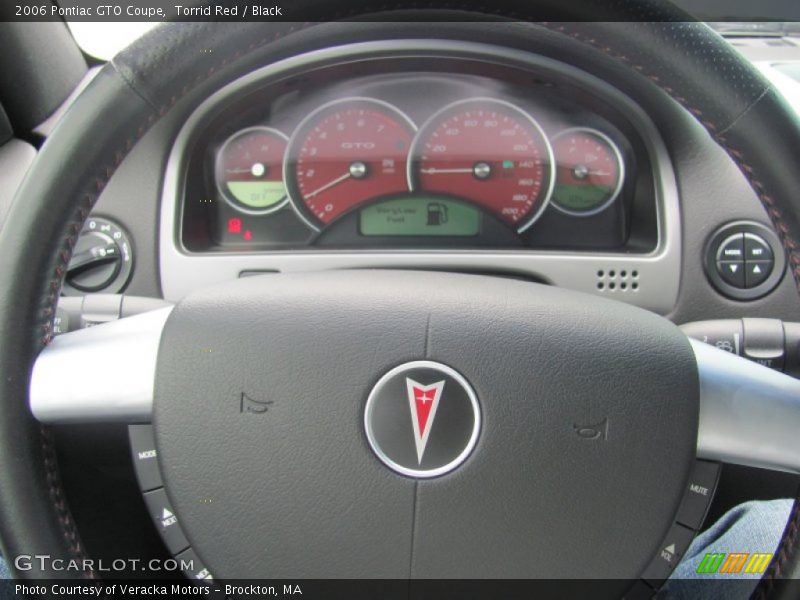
<point x="487" y="151"/>
<point x="249" y="170"/>
<point x="345" y="153"/>
<point x="590" y="171"/>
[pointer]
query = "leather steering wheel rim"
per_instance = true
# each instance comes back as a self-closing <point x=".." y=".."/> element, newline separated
<point x="686" y="60"/>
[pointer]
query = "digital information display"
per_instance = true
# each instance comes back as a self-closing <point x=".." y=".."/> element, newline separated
<point x="420" y="216"/>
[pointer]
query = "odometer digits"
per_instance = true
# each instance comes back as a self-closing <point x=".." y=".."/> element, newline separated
<point x="487" y="151"/>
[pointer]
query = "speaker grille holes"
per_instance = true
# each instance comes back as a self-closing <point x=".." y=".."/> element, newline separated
<point x="617" y="281"/>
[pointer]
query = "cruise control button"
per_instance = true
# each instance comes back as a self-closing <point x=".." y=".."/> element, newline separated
<point x="757" y="272"/>
<point x="755" y="248"/>
<point x="166" y="522"/>
<point x="732" y="272"/>
<point x="698" y="495"/>
<point x="669" y="555"/>
<point x="732" y="248"/>
<point x="145" y="457"/>
<point x="193" y="567"/>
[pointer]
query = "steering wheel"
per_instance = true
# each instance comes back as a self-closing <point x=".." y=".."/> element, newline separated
<point x="511" y="490"/>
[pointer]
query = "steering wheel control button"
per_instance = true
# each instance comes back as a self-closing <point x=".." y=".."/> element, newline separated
<point x="198" y="572"/>
<point x="422" y="419"/>
<point x="145" y="456"/>
<point x="699" y="492"/>
<point x="732" y="249"/>
<point x="764" y="342"/>
<point x="669" y="555"/>
<point x="732" y="272"/>
<point x="755" y="248"/>
<point x="744" y="260"/>
<point x="640" y="591"/>
<point x="756" y="272"/>
<point x="163" y="516"/>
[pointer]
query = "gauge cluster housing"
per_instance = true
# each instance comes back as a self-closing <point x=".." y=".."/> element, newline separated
<point x="522" y="158"/>
<point x="613" y="209"/>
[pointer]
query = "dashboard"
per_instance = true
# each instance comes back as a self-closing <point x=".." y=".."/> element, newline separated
<point x="428" y="154"/>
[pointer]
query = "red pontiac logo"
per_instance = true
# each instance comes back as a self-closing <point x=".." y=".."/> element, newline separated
<point x="422" y="419"/>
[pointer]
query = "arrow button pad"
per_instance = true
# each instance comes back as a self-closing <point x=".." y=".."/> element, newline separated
<point x="744" y="260"/>
<point x="756" y="272"/>
<point x="163" y="516"/>
<point x="669" y="555"/>
<point x="732" y="272"/>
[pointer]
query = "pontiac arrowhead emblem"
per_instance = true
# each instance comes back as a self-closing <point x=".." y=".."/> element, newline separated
<point x="423" y="400"/>
<point x="422" y="419"/>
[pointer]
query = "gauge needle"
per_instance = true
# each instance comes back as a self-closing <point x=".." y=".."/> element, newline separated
<point x="330" y="184"/>
<point x="434" y="171"/>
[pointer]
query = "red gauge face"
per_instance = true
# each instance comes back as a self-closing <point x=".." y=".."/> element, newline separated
<point x="489" y="152"/>
<point x="588" y="173"/>
<point x="346" y="153"/>
<point x="249" y="170"/>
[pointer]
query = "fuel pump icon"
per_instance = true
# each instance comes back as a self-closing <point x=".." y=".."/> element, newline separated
<point x="437" y="214"/>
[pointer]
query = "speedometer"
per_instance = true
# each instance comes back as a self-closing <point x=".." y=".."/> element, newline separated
<point x="345" y="153"/>
<point x="487" y="151"/>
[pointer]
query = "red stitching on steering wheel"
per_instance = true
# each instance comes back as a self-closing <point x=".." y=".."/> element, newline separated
<point x="68" y="527"/>
<point x="56" y="491"/>
<point x="775" y="214"/>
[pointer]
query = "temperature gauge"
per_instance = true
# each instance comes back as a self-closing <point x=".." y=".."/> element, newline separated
<point x="249" y="170"/>
<point x="589" y="172"/>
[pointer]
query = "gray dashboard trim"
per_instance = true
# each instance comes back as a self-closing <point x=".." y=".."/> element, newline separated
<point x="657" y="278"/>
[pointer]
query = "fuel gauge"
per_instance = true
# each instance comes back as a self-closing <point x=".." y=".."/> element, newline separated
<point x="589" y="171"/>
<point x="249" y="170"/>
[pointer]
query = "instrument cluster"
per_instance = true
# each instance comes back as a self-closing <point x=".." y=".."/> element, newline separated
<point x="415" y="159"/>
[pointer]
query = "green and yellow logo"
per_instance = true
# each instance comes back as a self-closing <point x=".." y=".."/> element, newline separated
<point x="734" y="562"/>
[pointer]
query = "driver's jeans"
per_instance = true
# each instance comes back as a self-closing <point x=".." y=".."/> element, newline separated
<point x="752" y="527"/>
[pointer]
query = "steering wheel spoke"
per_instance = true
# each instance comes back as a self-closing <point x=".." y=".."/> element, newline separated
<point x="749" y="414"/>
<point x="102" y="374"/>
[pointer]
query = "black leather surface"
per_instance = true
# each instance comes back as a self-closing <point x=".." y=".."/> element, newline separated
<point x="35" y="517"/>
<point x="296" y="491"/>
<point x="105" y="123"/>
